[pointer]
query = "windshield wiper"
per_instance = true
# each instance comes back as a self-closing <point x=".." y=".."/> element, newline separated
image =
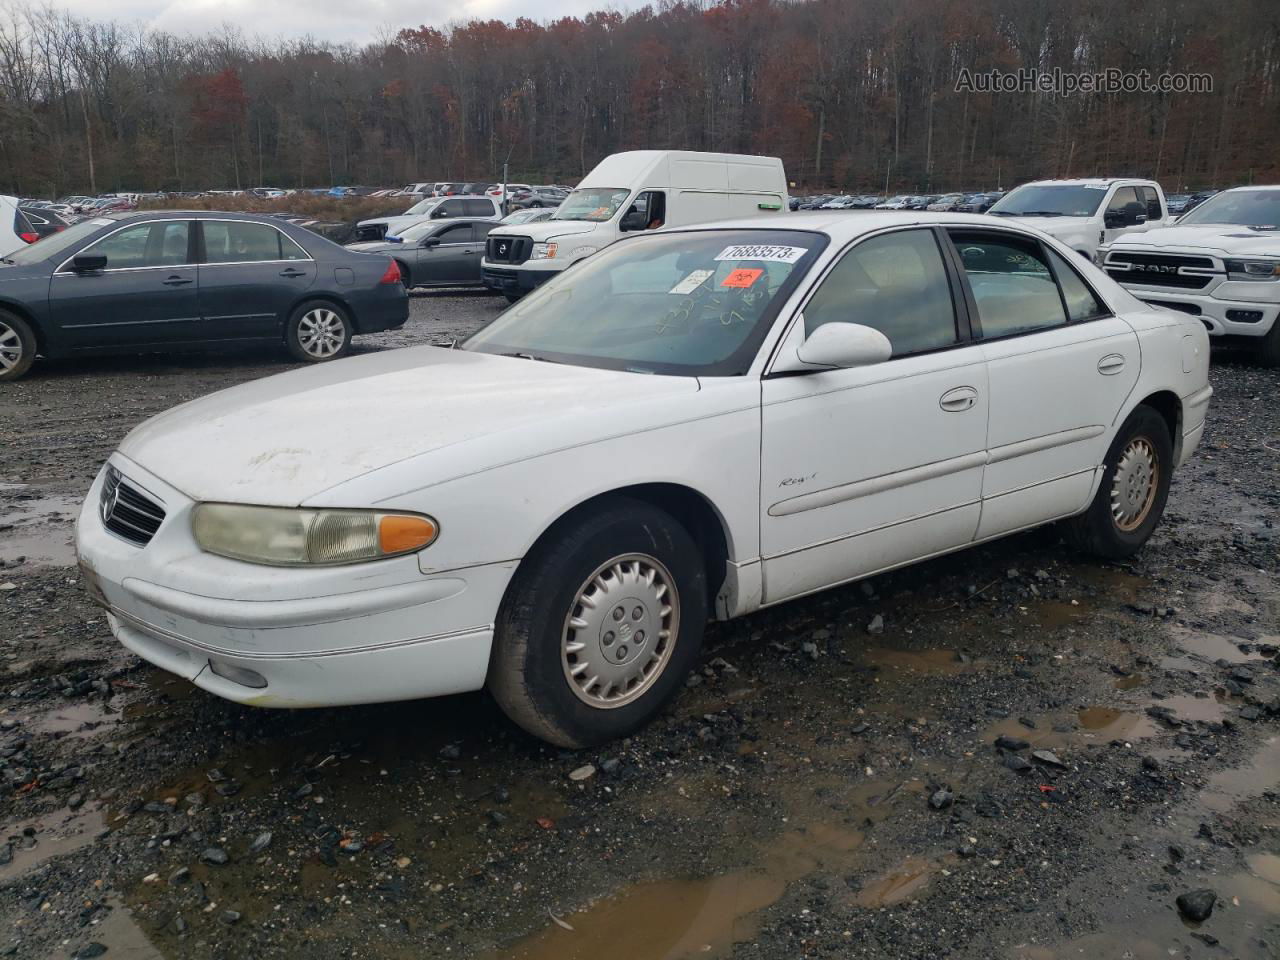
<point x="1036" y="213"/>
<point x="529" y="356"/>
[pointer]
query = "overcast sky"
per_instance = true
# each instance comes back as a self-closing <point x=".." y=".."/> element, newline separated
<point x="336" y="20"/>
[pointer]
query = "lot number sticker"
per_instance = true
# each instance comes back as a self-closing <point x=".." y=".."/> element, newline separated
<point x="773" y="253"/>
<point x="692" y="282"/>
<point x="742" y="277"/>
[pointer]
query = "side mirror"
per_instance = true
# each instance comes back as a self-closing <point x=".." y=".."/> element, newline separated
<point x="89" y="264"/>
<point x="431" y="242"/>
<point x="437" y="214"/>
<point x="633" y="221"/>
<point x="845" y="345"/>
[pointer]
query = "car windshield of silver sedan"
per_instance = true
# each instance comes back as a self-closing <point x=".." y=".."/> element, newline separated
<point x="596" y="205"/>
<point x="1248" y="208"/>
<point x="694" y="304"/>
<point x="1050" y="201"/>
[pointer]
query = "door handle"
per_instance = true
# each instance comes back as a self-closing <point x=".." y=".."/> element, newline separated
<point x="176" y="281"/>
<point x="291" y="272"/>
<point x="958" y="399"/>
<point x="1111" y="364"/>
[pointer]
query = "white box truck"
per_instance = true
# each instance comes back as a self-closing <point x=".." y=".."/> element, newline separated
<point x="627" y="192"/>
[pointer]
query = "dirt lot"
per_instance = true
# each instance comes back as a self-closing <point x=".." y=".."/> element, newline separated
<point x="829" y="785"/>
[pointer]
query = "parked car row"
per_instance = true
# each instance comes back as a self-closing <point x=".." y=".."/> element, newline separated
<point x="940" y="202"/>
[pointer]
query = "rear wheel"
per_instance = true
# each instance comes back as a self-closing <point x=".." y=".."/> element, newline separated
<point x="405" y="277"/>
<point x="17" y="346"/>
<point x="318" y="331"/>
<point x="1131" y="497"/>
<point x="600" y="625"/>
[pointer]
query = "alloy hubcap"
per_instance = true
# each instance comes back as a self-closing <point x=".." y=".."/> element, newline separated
<point x="321" y="333"/>
<point x="1133" y="490"/>
<point x="620" y="631"/>
<point x="10" y="347"/>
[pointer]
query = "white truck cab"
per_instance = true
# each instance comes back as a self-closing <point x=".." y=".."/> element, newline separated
<point x="1220" y="262"/>
<point x="629" y="192"/>
<point x="1088" y="213"/>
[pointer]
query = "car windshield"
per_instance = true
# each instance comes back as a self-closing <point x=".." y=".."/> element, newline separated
<point x="596" y="204"/>
<point x="524" y="216"/>
<point x="1248" y="208"/>
<point x="423" y="206"/>
<point x="1049" y="201"/>
<point x="694" y="304"/>
<point x="56" y="243"/>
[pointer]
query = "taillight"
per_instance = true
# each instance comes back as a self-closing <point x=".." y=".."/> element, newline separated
<point x="393" y="273"/>
<point x="29" y="237"/>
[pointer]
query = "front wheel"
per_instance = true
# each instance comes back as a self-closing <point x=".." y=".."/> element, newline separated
<point x="318" y="331"/>
<point x="1269" y="349"/>
<point x="17" y="346"/>
<point x="600" y="625"/>
<point x="1131" y="497"/>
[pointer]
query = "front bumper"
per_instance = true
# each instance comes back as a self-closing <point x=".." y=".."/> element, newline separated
<point x="364" y="633"/>
<point x="1221" y="317"/>
<point x="513" y="280"/>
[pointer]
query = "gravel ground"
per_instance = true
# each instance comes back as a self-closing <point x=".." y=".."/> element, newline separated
<point x="831" y="784"/>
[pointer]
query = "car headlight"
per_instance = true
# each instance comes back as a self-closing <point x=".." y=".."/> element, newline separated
<point x="543" y="251"/>
<point x="1253" y="269"/>
<point x="280" y="536"/>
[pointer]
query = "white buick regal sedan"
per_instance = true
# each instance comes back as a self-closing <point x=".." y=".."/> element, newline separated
<point x="688" y="425"/>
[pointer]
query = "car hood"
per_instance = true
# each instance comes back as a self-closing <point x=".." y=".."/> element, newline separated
<point x="548" y="229"/>
<point x="1221" y="238"/>
<point x="1054" y="226"/>
<point x="282" y="440"/>
<point x="377" y="246"/>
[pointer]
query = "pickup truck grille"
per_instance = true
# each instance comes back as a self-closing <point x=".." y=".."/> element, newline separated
<point x="126" y="511"/>
<point x="1159" y="269"/>
<point x="371" y="231"/>
<point x="504" y="249"/>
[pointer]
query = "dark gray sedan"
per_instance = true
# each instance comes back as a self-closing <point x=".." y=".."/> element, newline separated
<point x="162" y="281"/>
<point x="435" y="253"/>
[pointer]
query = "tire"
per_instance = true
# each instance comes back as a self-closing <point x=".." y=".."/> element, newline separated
<point x="1269" y="349"/>
<point x="628" y="551"/>
<point x="318" y="331"/>
<point x="17" y="346"/>
<point x="1142" y="447"/>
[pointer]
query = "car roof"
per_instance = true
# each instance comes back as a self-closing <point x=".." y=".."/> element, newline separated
<point x="844" y="226"/>
<point x="1087" y="181"/>
<point x="126" y="215"/>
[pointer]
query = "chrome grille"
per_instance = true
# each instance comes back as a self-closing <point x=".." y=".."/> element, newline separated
<point x="1160" y="270"/>
<point x="505" y="249"/>
<point x="126" y="511"/>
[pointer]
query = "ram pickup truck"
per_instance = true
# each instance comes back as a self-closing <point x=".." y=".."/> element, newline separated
<point x="1084" y="214"/>
<point x="1221" y="263"/>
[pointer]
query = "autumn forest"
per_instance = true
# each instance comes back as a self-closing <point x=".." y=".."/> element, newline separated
<point x="852" y="94"/>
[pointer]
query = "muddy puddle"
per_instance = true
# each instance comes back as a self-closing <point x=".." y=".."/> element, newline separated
<point x="904" y="882"/>
<point x="1261" y="773"/>
<point x="32" y="842"/>
<point x="674" y="919"/>
<point x="1099" y="724"/>
<point x="1212" y="647"/>
<point x="37" y="531"/>
<point x="83" y="719"/>
<point x="894" y="660"/>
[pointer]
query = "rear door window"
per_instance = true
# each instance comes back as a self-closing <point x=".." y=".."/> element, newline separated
<point x="1012" y="284"/>
<point x="235" y="241"/>
<point x="480" y="231"/>
<point x="477" y="208"/>
<point x="1082" y="303"/>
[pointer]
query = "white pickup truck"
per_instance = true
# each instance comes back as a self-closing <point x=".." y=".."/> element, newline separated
<point x="1085" y="214"/>
<point x="1220" y="262"/>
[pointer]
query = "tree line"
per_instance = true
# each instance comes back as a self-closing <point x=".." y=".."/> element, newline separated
<point x="859" y="95"/>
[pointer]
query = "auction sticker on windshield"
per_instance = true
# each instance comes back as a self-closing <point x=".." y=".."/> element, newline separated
<point x="774" y="253"/>
<point x="743" y="277"/>
<point x="692" y="282"/>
